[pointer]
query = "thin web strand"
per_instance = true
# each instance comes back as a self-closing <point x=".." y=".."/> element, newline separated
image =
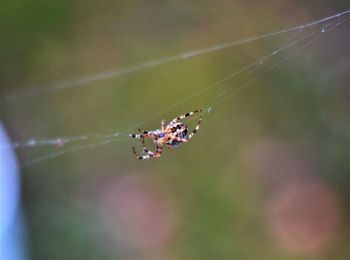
<point x="260" y="61"/>
<point x="221" y="98"/>
<point x="60" y="141"/>
<point x="226" y="78"/>
<point x="229" y="94"/>
<point x="64" y="85"/>
<point x="69" y="150"/>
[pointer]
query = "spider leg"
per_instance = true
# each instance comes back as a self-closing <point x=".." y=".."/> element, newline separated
<point x="175" y="140"/>
<point x="140" y="157"/>
<point x="184" y="116"/>
<point x="149" y="154"/>
<point x="159" y="150"/>
<point x="181" y="140"/>
<point x="144" y="147"/>
<point x="163" y="124"/>
<point x="195" y="129"/>
<point x="138" y="136"/>
<point x="144" y="134"/>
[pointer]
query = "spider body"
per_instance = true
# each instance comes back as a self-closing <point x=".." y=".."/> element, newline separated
<point x="171" y="135"/>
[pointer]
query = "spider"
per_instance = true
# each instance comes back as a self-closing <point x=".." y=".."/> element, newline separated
<point x="172" y="135"/>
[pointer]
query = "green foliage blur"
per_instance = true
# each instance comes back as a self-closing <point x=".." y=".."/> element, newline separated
<point x="266" y="177"/>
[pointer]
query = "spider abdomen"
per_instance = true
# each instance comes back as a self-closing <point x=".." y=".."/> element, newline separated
<point x="179" y="131"/>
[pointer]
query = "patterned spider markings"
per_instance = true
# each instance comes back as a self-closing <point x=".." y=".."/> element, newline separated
<point x="171" y="135"/>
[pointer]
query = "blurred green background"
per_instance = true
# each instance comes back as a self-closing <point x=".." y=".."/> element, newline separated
<point x="266" y="177"/>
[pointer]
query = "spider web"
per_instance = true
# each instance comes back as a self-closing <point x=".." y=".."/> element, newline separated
<point x="299" y="38"/>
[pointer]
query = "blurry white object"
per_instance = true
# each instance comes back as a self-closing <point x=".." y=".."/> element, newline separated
<point x="10" y="223"/>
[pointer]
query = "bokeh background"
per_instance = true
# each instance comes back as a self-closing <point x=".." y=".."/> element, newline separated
<point x="266" y="177"/>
